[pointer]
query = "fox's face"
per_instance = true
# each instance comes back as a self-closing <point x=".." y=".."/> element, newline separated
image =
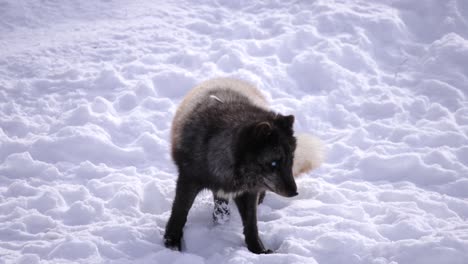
<point x="265" y="159"/>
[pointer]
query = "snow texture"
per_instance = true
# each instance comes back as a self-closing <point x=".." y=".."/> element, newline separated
<point x="88" y="90"/>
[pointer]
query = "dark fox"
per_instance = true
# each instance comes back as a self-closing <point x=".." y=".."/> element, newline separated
<point x="226" y="139"/>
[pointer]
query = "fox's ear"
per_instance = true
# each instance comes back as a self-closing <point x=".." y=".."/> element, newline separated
<point x="285" y="122"/>
<point x="253" y="137"/>
<point x="262" y="130"/>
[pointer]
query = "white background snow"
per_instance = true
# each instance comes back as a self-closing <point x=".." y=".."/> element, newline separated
<point x="88" y="90"/>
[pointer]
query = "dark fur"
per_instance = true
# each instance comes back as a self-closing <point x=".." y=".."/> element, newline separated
<point x="230" y="146"/>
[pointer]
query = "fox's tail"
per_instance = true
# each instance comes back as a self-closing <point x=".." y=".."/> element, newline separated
<point x="309" y="154"/>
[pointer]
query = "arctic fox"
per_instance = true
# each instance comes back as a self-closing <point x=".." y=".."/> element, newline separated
<point x="226" y="139"/>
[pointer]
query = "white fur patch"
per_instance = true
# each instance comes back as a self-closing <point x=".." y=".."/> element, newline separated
<point x="216" y="98"/>
<point x="228" y="195"/>
<point x="309" y="154"/>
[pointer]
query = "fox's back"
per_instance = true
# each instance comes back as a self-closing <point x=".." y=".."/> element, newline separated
<point x="215" y="96"/>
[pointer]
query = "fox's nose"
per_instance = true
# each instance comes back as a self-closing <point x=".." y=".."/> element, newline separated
<point x="291" y="191"/>
<point x="289" y="187"/>
<point x="292" y="194"/>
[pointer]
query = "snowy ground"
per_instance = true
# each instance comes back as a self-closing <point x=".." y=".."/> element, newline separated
<point x="88" y="90"/>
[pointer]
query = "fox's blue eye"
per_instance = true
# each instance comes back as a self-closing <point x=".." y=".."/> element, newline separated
<point x="274" y="164"/>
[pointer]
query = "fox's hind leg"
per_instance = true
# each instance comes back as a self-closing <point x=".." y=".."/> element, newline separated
<point x="221" y="212"/>
<point x="186" y="192"/>
<point x="261" y="197"/>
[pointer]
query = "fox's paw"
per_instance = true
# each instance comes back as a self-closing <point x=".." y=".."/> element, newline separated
<point x="173" y="243"/>
<point x="221" y="212"/>
<point x="261" y="251"/>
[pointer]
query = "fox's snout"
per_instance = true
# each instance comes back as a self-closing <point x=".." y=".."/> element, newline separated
<point x="289" y="192"/>
<point x="291" y="189"/>
<point x="286" y="186"/>
<point x="292" y="194"/>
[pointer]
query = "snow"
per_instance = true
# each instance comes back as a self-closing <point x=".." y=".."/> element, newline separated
<point x="88" y="90"/>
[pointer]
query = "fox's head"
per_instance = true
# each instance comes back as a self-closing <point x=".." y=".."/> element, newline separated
<point x="264" y="155"/>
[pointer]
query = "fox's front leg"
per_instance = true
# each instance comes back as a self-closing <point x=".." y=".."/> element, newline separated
<point x="247" y="205"/>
